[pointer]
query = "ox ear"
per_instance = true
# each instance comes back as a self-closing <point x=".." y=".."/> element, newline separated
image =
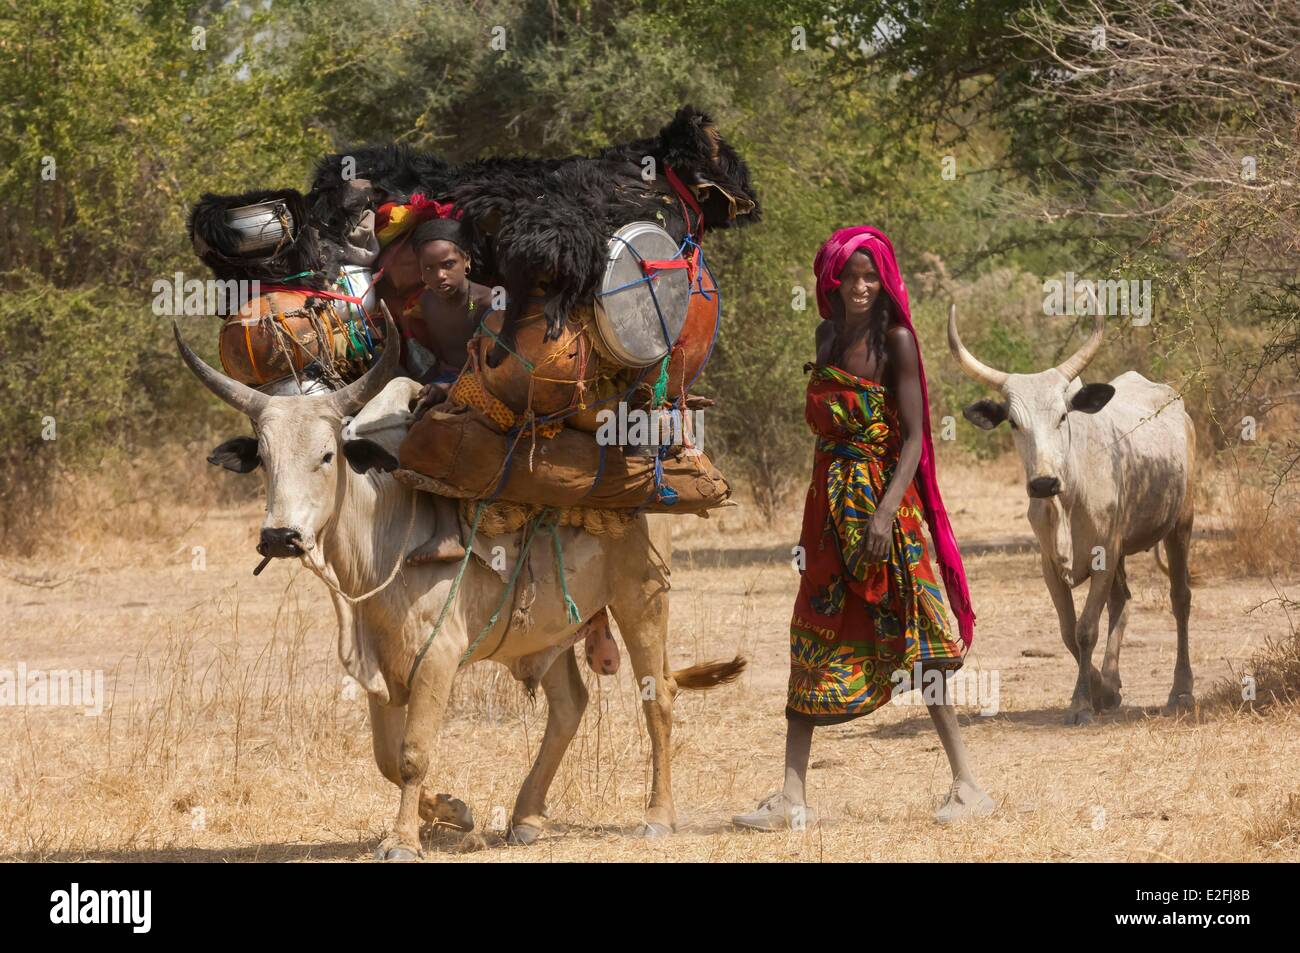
<point x="238" y="454"/>
<point x="985" y="414"/>
<point x="1091" y="398"/>
<point x="365" y="455"/>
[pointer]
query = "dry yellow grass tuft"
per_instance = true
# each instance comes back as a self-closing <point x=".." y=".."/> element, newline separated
<point x="1264" y="523"/>
<point x="1279" y="829"/>
<point x="1271" y="676"/>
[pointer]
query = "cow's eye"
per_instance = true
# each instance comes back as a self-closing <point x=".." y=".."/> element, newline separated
<point x="329" y="455"/>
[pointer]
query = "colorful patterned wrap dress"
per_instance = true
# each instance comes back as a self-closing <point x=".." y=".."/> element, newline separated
<point x="856" y="623"/>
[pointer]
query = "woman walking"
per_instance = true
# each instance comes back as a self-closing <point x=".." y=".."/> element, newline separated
<point x="869" y="605"/>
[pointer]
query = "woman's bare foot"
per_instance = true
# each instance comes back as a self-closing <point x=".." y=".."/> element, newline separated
<point x="777" y="812"/>
<point x="965" y="800"/>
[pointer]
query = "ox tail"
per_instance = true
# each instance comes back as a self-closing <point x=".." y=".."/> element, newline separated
<point x="1193" y="577"/>
<point x="702" y="677"/>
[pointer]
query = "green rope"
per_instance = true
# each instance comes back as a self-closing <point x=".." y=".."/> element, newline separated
<point x="570" y="607"/>
<point x="301" y="274"/>
<point x="661" y="385"/>
<point x="353" y="341"/>
<point x="518" y="357"/>
<point x="510" y="584"/>
<point x="451" y="596"/>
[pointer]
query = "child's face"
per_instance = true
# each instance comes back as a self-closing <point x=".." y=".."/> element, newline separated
<point x="442" y="267"/>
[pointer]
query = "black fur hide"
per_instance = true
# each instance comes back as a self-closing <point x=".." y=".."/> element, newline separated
<point x="216" y="242"/>
<point x="550" y="220"/>
<point x="531" y="221"/>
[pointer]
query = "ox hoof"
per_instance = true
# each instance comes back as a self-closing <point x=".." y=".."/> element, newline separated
<point x="1180" y="702"/>
<point x="390" y="851"/>
<point x="1109" y="699"/>
<point x="521" y="835"/>
<point x="1080" y="716"/>
<point x="652" y="830"/>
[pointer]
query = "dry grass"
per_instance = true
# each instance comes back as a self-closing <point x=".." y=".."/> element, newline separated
<point x="1271" y="676"/>
<point x="1266" y="529"/>
<point x="231" y="734"/>
<point x="120" y="503"/>
<point x="1279" y="828"/>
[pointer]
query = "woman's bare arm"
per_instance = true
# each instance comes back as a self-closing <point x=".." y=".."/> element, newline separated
<point x="907" y="379"/>
<point x="825" y="341"/>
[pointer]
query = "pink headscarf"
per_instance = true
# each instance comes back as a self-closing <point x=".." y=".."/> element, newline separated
<point x="830" y="261"/>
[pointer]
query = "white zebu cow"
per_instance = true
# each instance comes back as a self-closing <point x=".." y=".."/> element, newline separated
<point x="349" y="528"/>
<point x="1108" y="468"/>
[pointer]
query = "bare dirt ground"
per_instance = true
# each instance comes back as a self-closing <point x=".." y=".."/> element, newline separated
<point x="229" y="732"/>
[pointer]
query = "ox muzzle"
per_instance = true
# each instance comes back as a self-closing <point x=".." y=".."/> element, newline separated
<point x="280" y="542"/>
<point x="1043" y="487"/>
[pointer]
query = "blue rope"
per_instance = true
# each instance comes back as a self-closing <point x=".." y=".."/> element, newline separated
<point x="659" y="493"/>
<point x="630" y="284"/>
<point x="509" y="462"/>
<point x="664" y="494"/>
<point x="663" y="325"/>
<point x="353" y="310"/>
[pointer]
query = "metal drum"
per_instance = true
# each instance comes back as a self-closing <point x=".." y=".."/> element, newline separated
<point x="631" y="330"/>
<point x="263" y="226"/>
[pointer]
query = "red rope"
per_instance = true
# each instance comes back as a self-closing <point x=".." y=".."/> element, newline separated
<point x="652" y="265"/>
<point x="687" y="198"/>
<point x="313" y="293"/>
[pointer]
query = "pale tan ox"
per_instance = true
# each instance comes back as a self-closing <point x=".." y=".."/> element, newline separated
<point x="1108" y="469"/>
<point x="350" y="527"/>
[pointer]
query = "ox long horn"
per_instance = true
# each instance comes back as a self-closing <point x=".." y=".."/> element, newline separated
<point x="1077" y="361"/>
<point x="973" y="367"/>
<point x="349" y="401"/>
<point x="239" y="396"/>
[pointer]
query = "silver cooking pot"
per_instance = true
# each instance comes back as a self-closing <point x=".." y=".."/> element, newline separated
<point x="261" y="227"/>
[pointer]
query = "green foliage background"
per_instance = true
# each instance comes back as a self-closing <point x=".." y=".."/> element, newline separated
<point x="143" y="106"/>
